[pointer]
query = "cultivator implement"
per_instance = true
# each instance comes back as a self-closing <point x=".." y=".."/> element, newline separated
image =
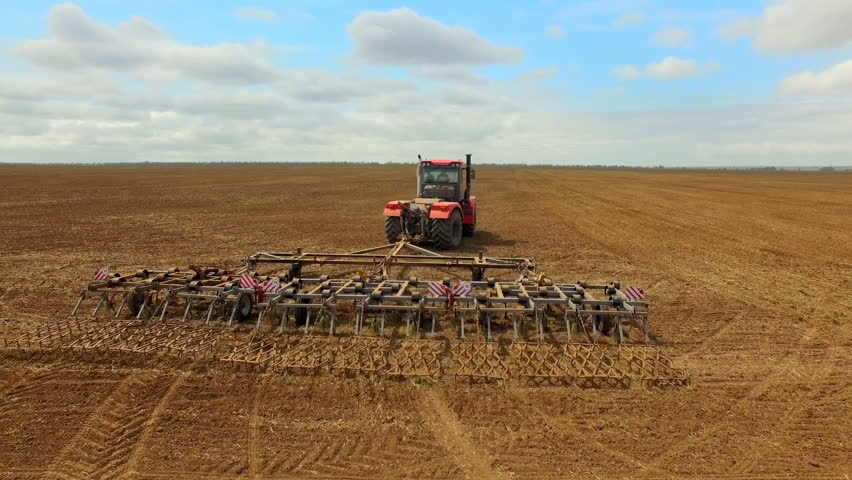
<point x="370" y="302"/>
<point x="295" y="316"/>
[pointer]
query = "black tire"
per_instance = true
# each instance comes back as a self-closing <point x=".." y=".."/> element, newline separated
<point x="447" y="233"/>
<point x="294" y="271"/>
<point x="135" y="301"/>
<point x="301" y="314"/>
<point x="605" y="324"/>
<point x="244" y="307"/>
<point x="469" y="230"/>
<point x="477" y="275"/>
<point x="393" y="229"/>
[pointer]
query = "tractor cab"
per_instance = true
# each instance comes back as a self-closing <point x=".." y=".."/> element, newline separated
<point x="442" y="179"/>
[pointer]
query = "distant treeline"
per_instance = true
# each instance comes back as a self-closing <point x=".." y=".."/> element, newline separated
<point x="477" y="164"/>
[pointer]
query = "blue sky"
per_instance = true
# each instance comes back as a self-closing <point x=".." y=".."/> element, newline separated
<point x="714" y="83"/>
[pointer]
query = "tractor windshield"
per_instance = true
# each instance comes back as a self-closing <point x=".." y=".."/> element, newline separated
<point x="438" y="174"/>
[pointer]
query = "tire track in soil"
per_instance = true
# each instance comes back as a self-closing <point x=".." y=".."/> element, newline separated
<point x="26" y="385"/>
<point x="148" y="428"/>
<point x="820" y="390"/>
<point x="707" y="342"/>
<point x="254" y="460"/>
<point x="447" y="429"/>
<point x="569" y="427"/>
<point x="779" y="369"/>
<point x="103" y="446"/>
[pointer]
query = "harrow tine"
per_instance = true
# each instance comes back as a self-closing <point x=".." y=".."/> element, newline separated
<point x="261" y="312"/>
<point x="98" y="307"/>
<point x="210" y="310"/>
<point x="515" y="327"/>
<point x="234" y="310"/>
<point x="121" y="305"/>
<point x="143" y="307"/>
<point x="568" y="324"/>
<point x="307" y="322"/>
<point x="186" y="310"/>
<point x="284" y="318"/>
<point x="358" y="321"/>
<point x="165" y="305"/>
<point x="79" y="301"/>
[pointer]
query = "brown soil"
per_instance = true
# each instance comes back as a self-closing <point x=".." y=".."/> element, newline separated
<point x="748" y="275"/>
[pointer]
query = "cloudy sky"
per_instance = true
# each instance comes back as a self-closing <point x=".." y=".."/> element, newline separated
<point x="628" y="82"/>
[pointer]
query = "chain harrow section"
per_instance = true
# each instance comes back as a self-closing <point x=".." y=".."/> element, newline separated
<point x="583" y="365"/>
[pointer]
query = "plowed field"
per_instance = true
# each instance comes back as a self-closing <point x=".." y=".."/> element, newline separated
<point x="748" y="275"/>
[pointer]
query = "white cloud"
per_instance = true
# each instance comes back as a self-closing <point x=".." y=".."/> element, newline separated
<point x="835" y="79"/>
<point x="537" y="75"/>
<point x="69" y="85"/>
<point x="672" y="37"/>
<point x="796" y="26"/>
<point x="555" y="31"/>
<point x="733" y="31"/>
<point x="668" y="68"/>
<point x="454" y="73"/>
<point x="254" y="14"/>
<point x="315" y="85"/>
<point x="629" y="19"/>
<point x="627" y="72"/>
<point x="466" y="96"/>
<point x="76" y="42"/>
<point x="674" y="67"/>
<point x="403" y="37"/>
<point x="213" y="126"/>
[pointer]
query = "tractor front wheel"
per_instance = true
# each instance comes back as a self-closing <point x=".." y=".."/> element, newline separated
<point x="393" y="229"/>
<point x="447" y="233"/>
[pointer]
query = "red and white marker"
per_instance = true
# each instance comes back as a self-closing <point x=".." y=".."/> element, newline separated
<point x="102" y="274"/>
<point x="272" y="285"/>
<point x="437" y="289"/>
<point x="635" y="293"/>
<point x="248" y="281"/>
<point x="462" y="289"/>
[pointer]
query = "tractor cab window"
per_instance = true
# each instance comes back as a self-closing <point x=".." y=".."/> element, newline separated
<point x="436" y="174"/>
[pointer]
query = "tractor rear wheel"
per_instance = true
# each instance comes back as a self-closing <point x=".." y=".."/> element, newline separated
<point x="393" y="229"/>
<point x="447" y="233"/>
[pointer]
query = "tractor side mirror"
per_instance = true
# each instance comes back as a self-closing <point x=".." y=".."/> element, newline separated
<point x="472" y="174"/>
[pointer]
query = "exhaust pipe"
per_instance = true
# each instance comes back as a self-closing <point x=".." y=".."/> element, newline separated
<point x="467" y="177"/>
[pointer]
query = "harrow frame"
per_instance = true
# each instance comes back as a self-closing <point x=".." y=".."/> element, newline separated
<point x="530" y="295"/>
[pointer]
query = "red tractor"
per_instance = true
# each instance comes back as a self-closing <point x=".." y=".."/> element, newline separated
<point x="444" y="209"/>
